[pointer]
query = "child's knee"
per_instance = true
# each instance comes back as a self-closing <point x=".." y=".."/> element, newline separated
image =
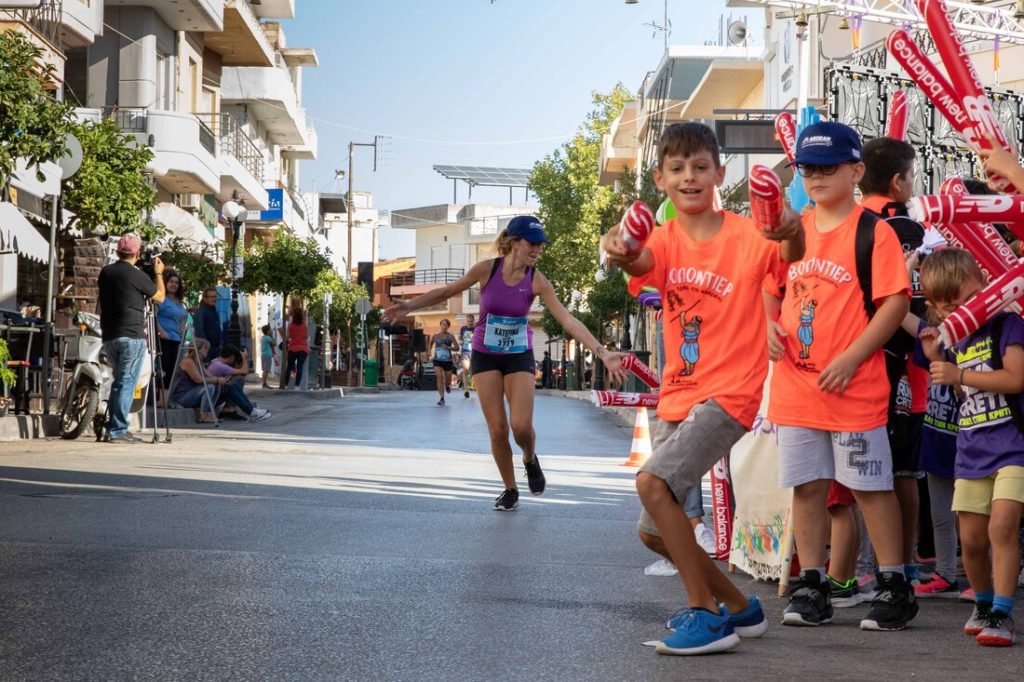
<point x="1003" y="530"/>
<point x="650" y="488"/>
<point x="652" y="542"/>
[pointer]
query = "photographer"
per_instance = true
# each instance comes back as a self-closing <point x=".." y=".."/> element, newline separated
<point x="123" y="292"/>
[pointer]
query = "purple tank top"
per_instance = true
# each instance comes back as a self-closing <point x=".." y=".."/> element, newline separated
<point x="503" y="327"/>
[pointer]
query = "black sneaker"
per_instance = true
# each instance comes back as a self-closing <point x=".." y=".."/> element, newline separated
<point x="534" y="476"/>
<point x="507" y="501"/>
<point x="466" y="393"/>
<point x="126" y="438"/>
<point x="810" y="601"/>
<point x="894" y="604"/>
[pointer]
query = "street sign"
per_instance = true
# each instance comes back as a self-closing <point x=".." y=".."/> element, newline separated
<point x="363" y="307"/>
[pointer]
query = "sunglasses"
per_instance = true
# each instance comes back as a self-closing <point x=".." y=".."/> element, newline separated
<point x="806" y="170"/>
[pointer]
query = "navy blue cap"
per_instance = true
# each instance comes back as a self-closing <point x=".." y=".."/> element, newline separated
<point x="527" y="227"/>
<point x="827" y="143"/>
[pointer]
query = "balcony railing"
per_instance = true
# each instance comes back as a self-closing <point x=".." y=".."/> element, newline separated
<point x="436" y="276"/>
<point x="207" y="139"/>
<point x="128" y="119"/>
<point x="45" y="20"/>
<point x="234" y="141"/>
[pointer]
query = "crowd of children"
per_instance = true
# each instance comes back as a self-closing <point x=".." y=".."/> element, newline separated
<point x="866" y="401"/>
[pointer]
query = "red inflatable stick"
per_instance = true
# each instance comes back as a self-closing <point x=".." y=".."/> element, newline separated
<point x="986" y="233"/>
<point x="965" y="81"/>
<point x="959" y="236"/>
<point x="969" y="318"/>
<point x="641" y="371"/>
<point x="898" y="116"/>
<point x="637" y="225"/>
<point x="939" y="90"/>
<point x="617" y="399"/>
<point x="766" y="202"/>
<point x="785" y="128"/>
<point x="972" y="208"/>
<point x="721" y="508"/>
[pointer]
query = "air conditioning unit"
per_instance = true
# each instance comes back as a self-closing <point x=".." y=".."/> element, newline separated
<point x="190" y="202"/>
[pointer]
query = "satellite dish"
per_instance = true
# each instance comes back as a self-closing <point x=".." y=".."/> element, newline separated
<point x="737" y="33"/>
<point x="72" y="159"/>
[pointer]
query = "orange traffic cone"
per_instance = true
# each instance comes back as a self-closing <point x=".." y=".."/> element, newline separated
<point x="641" y="448"/>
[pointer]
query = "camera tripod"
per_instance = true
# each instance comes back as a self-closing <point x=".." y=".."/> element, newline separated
<point x="188" y="344"/>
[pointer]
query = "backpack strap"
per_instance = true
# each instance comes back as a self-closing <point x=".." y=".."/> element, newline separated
<point x="996" y="338"/>
<point x="864" y="248"/>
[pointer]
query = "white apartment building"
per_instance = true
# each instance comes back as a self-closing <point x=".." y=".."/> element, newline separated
<point x="334" y="226"/>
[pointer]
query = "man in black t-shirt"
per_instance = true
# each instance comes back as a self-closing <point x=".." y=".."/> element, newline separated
<point x="124" y="291"/>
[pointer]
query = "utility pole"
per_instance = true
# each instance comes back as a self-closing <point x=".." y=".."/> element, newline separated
<point x="348" y="207"/>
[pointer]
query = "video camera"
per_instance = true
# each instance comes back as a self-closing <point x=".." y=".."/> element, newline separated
<point x="145" y="261"/>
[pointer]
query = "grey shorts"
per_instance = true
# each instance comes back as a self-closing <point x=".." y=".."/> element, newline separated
<point x="684" y="451"/>
<point x="860" y="460"/>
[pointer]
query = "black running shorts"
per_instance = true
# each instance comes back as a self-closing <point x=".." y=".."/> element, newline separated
<point x="506" y="364"/>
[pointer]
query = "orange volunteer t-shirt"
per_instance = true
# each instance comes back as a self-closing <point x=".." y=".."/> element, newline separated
<point x="823" y="313"/>
<point x="713" y="321"/>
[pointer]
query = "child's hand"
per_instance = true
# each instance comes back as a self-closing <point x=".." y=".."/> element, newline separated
<point x="1000" y="162"/>
<point x="929" y="337"/>
<point x="613" y="363"/>
<point x="616" y="248"/>
<point x="776" y="348"/>
<point x="837" y="376"/>
<point x="944" y="373"/>
<point x="789" y="226"/>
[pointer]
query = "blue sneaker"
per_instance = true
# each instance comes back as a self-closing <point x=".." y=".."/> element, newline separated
<point x="750" y="622"/>
<point x="699" y="632"/>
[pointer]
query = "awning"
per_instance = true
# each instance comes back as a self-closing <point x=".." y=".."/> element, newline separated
<point x="18" y="235"/>
<point x="182" y="223"/>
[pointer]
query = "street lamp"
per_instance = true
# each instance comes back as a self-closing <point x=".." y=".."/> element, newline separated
<point x="235" y="212"/>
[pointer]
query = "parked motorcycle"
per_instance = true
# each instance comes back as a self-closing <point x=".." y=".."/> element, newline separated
<point x="85" y="397"/>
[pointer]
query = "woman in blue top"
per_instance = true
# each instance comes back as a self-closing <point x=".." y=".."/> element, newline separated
<point x="502" y="360"/>
<point x="170" y="323"/>
<point x="445" y="346"/>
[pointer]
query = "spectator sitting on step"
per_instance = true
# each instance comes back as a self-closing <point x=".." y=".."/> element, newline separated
<point x="190" y="389"/>
<point x="229" y="372"/>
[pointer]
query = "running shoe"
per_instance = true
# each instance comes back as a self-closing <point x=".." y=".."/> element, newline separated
<point x="259" y="414"/>
<point x="440" y="403"/>
<point x="913" y="574"/>
<point x="706" y="540"/>
<point x="809" y="601"/>
<point x="699" y="632"/>
<point x="750" y="622"/>
<point x="867" y="587"/>
<point x="937" y="588"/>
<point x="998" y="630"/>
<point x="967" y="595"/>
<point x="507" y="501"/>
<point x="978" y="620"/>
<point x="845" y="594"/>
<point x="466" y="393"/>
<point x="894" y="604"/>
<point x="448" y="389"/>
<point x="534" y="475"/>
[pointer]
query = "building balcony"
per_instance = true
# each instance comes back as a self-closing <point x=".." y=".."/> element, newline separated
<point x="416" y="282"/>
<point x="41" y="27"/>
<point x="242" y="42"/>
<point x="269" y="96"/>
<point x="80" y="22"/>
<point x="181" y="15"/>
<point x="242" y="161"/>
<point x="306" y="151"/>
<point x="275" y="9"/>
<point x="184" y="148"/>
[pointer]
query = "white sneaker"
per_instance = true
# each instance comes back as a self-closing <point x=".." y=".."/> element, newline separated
<point x="259" y="414"/>
<point x="706" y="539"/>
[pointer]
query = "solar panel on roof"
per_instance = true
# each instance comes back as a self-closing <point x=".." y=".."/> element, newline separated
<point x="487" y="176"/>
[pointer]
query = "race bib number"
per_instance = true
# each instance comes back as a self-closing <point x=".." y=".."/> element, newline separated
<point x="505" y="334"/>
<point x="443" y="353"/>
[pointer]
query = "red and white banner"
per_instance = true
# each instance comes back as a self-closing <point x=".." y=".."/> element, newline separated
<point x="931" y="81"/>
<point x="766" y="202"/>
<point x="617" y="399"/>
<point x="637" y="225"/>
<point x="785" y="128"/>
<point x="898" y="116"/>
<point x="970" y="208"/>
<point x="641" y="371"/>
<point x="979" y="309"/>
<point x="988" y="235"/>
<point x="721" y="508"/>
<point x="965" y="81"/>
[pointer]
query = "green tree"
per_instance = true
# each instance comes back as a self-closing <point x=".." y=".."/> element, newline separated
<point x="342" y="315"/>
<point x="110" y="192"/>
<point x="199" y="268"/>
<point x="33" y="125"/>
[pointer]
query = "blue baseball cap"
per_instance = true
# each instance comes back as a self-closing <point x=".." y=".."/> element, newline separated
<point x="527" y="227"/>
<point x="827" y="143"/>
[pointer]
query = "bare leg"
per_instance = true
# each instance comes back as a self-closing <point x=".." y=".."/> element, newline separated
<point x="974" y="545"/>
<point x="879" y="509"/>
<point x="810" y="529"/>
<point x="1003" y="529"/>
<point x="490" y="389"/>
<point x="519" y="389"/>
<point x="440" y="379"/>
<point x="909" y="499"/>
<point x="705" y="585"/>
<point x="845" y="541"/>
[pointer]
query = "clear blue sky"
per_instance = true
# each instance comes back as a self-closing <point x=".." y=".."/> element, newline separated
<point x="469" y="75"/>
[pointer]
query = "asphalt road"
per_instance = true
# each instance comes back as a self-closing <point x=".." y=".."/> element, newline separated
<point x="354" y="539"/>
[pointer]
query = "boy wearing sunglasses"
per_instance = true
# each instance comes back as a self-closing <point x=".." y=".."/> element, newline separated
<point x="829" y="393"/>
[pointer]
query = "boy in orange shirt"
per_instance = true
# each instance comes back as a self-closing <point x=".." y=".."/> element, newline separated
<point x="829" y="393"/>
<point x="709" y="267"/>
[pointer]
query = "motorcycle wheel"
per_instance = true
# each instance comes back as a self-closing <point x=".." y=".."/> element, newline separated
<point x="79" y="410"/>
